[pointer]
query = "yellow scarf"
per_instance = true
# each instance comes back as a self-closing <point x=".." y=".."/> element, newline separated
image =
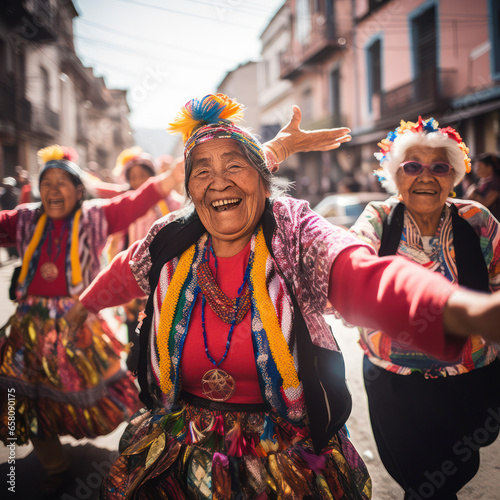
<point x="76" y="270"/>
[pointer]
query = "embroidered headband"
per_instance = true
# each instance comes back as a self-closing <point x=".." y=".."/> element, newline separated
<point x="424" y="133"/>
<point x="59" y="157"/>
<point x="215" y="117"/>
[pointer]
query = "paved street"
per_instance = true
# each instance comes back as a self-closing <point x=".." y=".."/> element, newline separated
<point x="91" y="458"/>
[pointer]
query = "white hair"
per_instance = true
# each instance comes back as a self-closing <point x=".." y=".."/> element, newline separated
<point x="410" y="139"/>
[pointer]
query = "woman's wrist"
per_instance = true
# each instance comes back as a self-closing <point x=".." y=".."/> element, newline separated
<point x="278" y="149"/>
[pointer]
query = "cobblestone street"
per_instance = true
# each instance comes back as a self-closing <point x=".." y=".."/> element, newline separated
<point x="91" y="458"/>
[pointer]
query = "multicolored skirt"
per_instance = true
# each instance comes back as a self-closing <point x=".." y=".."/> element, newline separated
<point x="202" y="453"/>
<point x="51" y="383"/>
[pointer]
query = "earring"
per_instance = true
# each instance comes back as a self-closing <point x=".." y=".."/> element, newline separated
<point x="453" y="194"/>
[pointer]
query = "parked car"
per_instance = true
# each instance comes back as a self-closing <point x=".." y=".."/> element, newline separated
<point x="344" y="209"/>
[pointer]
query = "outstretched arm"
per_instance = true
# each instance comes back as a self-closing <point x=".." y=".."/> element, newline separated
<point x="292" y="139"/>
<point x="412" y="305"/>
<point x="113" y="286"/>
<point x="122" y="210"/>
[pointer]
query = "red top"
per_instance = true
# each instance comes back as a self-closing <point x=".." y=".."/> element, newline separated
<point x="240" y="360"/>
<point x="58" y="246"/>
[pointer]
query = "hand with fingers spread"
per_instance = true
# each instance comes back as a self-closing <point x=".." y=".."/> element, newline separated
<point x="292" y="139"/>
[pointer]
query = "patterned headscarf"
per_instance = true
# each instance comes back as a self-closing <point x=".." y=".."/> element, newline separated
<point x="423" y="133"/>
<point x="215" y="117"/>
<point x="60" y="157"/>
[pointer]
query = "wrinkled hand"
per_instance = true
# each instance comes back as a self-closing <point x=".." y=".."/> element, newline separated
<point x="177" y="170"/>
<point x="469" y="312"/>
<point x="292" y="139"/>
<point x="172" y="178"/>
<point x="75" y="318"/>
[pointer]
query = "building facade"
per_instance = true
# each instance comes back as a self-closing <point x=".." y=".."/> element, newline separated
<point x="366" y="64"/>
<point x="47" y="96"/>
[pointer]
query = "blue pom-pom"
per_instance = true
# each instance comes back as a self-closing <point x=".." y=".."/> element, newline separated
<point x="207" y="109"/>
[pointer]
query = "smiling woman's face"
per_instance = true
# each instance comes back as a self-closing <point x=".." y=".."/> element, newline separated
<point x="58" y="193"/>
<point x="425" y="194"/>
<point x="227" y="191"/>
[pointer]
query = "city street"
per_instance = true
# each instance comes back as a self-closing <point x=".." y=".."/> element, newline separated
<point x="91" y="458"/>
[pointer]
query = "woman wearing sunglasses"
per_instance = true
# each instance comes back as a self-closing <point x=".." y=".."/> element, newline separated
<point x="430" y="418"/>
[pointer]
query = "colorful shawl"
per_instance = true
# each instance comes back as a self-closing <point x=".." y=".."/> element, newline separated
<point x="438" y="255"/>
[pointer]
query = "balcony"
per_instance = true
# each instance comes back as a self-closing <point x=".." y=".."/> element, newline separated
<point x="33" y="20"/>
<point x="45" y="121"/>
<point x="25" y="115"/>
<point x="7" y="103"/>
<point x="428" y="93"/>
<point x="322" y="41"/>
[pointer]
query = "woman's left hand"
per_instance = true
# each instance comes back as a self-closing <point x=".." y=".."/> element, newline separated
<point x="75" y="318"/>
<point x="173" y="178"/>
<point x="469" y="312"/>
<point x="292" y="139"/>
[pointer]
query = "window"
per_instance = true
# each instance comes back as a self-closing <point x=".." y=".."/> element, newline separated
<point x="307" y="105"/>
<point x="303" y="22"/>
<point x="495" y="38"/>
<point x="335" y="96"/>
<point x="375" y="4"/>
<point x="374" y="57"/>
<point x="45" y="87"/>
<point x="424" y="42"/>
<point x="3" y="59"/>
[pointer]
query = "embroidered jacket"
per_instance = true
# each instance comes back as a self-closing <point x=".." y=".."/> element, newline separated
<point x="93" y="231"/>
<point x="438" y="255"/>
<point x="305" y="247"/>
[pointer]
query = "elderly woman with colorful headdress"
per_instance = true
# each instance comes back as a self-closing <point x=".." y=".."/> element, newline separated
<point x="423" y="409"/>
<point x="243" y="380"/>
<point x="52" y="382"/>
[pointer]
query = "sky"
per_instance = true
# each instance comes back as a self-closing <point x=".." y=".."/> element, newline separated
<point x="165" y="52"/>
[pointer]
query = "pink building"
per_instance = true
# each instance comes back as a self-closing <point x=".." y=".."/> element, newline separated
<point x="367" y="64"/>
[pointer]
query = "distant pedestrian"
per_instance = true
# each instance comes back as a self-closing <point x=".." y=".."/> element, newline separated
<point x="9" y="197"/>
<point x="487" y="190"/>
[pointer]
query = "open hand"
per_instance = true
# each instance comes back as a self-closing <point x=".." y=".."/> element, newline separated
<point x="292" y="139"/>
<point x="173" y="178"/>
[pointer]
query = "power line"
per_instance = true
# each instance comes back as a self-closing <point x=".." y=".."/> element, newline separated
<point x="191" y="15"/>
<point x="128" y="50"/>
<point x="136" y="38"/>
<point x="235" y="8"/>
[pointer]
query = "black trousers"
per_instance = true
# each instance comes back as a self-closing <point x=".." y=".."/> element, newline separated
<point x="429" y="431"/>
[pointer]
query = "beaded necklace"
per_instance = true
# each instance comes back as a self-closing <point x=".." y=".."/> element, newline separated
<point x="216" y="383"/>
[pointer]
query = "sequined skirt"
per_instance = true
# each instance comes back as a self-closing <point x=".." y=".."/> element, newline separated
<point x="201" y="453"/>
<point x="53" y="384"/>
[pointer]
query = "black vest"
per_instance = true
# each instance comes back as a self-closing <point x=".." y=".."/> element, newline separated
<point x="321" y="371"/>
<point x="471" y="267"/>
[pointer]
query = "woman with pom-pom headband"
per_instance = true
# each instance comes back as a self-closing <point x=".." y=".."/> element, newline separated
<point x="242" y="377"/>
<point x="413" y="396"/>
<point x="66" y="383"/>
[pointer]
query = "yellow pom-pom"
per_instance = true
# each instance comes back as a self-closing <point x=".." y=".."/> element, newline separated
<point x="128" y="154"/>
<point x="54" y="152"/>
